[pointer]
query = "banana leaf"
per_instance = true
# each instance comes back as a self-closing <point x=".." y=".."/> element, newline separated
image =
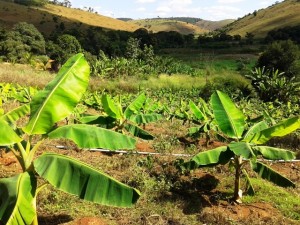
<point x="229" y="118"/>
<point x="12" y="116"/>
<point x="7" y="135"/>
<point x="196" y="111"/>
<point x="102" y="121"/>
<point x="87" y="136"/>
<point x="269" y="174"/>
<point x="220" y="155"/>
<point x="138" y="132"/>
<point x="241" y="149"/>
<point x="110" y="108"/>
<point x="84" y="181"/>
<point x="275" y="153"/>
<point x="279" y="130"/>
<point x="59" y="97"/>
<point x="17" y="199"/>
<point x="249" y="186"/>
<point x="135" y="106"/>
<point x="255" y="129"/>
<point x="145" y="118"/>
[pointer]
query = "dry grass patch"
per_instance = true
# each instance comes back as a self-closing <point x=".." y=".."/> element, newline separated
<point x="274" y="17"/>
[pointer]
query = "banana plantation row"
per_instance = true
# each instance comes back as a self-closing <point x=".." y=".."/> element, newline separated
<point x="245" y="134"/>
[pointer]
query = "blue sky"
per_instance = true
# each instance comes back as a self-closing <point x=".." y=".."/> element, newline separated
<point x="140" y="9"/>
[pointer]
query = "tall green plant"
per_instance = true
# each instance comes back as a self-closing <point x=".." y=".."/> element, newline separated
<point x="124" y="120"/>
<point x="50" y="105"/>
<point x="246" y="146"/>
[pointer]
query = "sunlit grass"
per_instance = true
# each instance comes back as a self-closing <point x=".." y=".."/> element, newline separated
<point x="286" y="200"/>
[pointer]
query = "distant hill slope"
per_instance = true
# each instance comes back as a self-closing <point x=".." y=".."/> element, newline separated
<point x="286" y="13"/>
<point x="184" y="25"/>
<point x="156" y="25"/>
<point x="48" y="17"/>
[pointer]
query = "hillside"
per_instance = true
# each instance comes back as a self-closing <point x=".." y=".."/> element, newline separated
<point x="184" y="25"/>
<point x="261" y="22"/>
<point x="49" y="17"/>
<point x="156" y="25"/>
<point x="213" y="25"/>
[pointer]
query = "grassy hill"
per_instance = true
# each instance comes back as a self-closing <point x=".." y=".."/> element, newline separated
<point x="49" y="17"/>
<point x="261" y="22"/>
<point x="213" y="25"/>
<point x="184" y="25"/>
<point x="156" y="25"/>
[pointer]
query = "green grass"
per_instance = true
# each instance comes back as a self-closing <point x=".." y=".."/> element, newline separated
<point x="286" y="200"/>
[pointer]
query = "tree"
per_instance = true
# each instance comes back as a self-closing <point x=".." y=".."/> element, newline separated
<point x="69" y="46"/>
<point x="31" y="37"/>
<point x="21" y="42"/>
<point x="133" y="49"/>
<point x="282" y="56"/>
<point x="249" y="38"/>
<point x="32" y="2"/>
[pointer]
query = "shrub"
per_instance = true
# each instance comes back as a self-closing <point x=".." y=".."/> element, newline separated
<point x="282" y="56"/>
<point x="272" y="85"/>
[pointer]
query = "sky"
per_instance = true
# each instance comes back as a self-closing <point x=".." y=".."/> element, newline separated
<point x="141" y="9"/>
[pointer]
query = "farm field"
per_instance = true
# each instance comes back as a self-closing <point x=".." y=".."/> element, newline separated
<point x="169" y="195"/>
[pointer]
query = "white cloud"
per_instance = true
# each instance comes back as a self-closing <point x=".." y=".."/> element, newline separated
<point x="177" y="7"/>
<point x="229" y="1"/>
<point x="141" y="9"/>
<point x="145" y="1"/>
<point x="221" y="12"/>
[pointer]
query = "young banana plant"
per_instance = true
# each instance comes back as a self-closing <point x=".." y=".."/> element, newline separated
<point x="246" y="146"/>
<point x="49" y="106"/>
<point x="127" y="120"/>
<point x="204" y="118"/>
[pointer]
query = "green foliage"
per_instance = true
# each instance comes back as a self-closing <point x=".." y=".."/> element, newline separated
<point x="274" y="86"/>
<point x="128" y="119"/>
<point x="282" y="56"/>
<point x="21" y="42"/>
<point x="69" y="46"/>
<point x="32" y="2"/>
<point x="142" y="63"/>
<point x="246" y="145"/>
<point x="47" y="107"/>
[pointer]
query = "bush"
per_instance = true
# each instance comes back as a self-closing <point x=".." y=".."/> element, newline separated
<point x="282" y="56"/>
<point x="271" y="85"/>
<point x="21" y="42"/>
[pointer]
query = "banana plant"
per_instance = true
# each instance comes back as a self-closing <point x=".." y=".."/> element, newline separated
<point x="204" y="119"/>
<point x="246" y="146"/>
<point x="47" y="108"/>
<point x="124" y="120"/>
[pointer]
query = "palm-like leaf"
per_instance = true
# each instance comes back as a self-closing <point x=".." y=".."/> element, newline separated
<point x="135" y="106"/>
<point x="279" y="130"/>
<point x="275" y="153"/>
<point x="145" y="118"/>
<point x="12" y="116"/>
<point x="17" y="195"/>
<point x="110" y="108"/>
<point x="59" y="97"/>
<point x="269" y="174"/>
<point x="249" y="186"/>
<point x="138" y="132"/>
<point x="86" y="136"/>
<point x="220" y="155"/>
<point x="255" y="129"/>
<point x="7" y="134"/>
<point x="241" y="149"/>
<point x="80" y="179"/>
<point x="229" y="118"/>
<point x="196" y="111"/>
